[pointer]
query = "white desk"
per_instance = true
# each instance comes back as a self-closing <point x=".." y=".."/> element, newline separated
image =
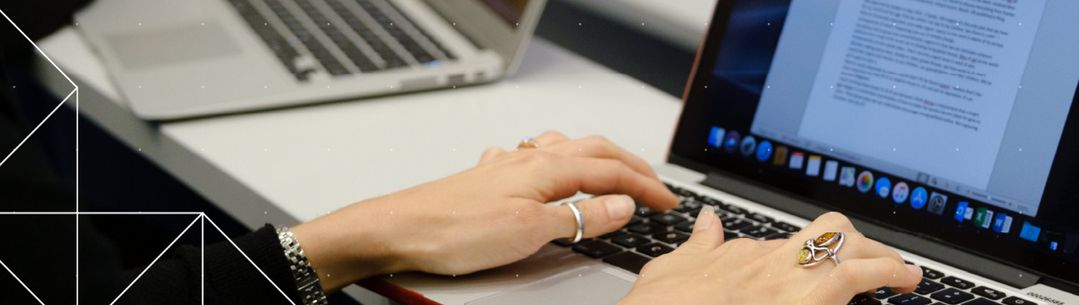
<point x="681" y="22"/>
<point x="295" y="164"/>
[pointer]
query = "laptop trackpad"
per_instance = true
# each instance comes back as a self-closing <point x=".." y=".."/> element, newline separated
<point x="580" y="286"/>
<point x="173" y="45"/>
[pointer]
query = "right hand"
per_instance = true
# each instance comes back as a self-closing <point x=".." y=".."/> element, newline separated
<point x="707" y="270"/>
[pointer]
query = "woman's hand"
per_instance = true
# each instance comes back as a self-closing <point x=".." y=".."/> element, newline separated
<point x="488" y="216"/>
<point x="707" y="270"/>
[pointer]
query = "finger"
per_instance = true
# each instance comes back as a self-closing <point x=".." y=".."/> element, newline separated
<point x="602" y="215"/>
<point x="859" y="275"/>
<point x="491" y="154"/>
<point x="600" y="147"/>
<point x="707" y="230"/>
<point x="550" y="137"/>
<point x="605" y="176"/>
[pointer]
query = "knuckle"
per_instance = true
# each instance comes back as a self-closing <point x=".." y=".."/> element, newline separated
<point x="553" y="133"/>
<point x="834" y="218"/>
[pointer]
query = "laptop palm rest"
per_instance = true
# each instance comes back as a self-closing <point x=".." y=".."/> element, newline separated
<point x="586" y="285"/>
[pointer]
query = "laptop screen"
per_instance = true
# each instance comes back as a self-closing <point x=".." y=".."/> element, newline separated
<point x="950" y="119"/>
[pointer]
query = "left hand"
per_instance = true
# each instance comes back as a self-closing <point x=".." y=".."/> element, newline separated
<point x="488" y="216"/>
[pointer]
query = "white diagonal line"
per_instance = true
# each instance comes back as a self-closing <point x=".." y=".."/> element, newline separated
<point x="21" y="283"/>
<point x="36" y="128"/>
<point x="155" y="260"/>
<point x="38" y="49"/>
<point x="98" y="213"/>
<point x="251" y="261"/>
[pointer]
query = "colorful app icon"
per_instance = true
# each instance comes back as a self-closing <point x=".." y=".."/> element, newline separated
<point x="797" y="158"/>
<point x="831" y="170"/>
<point x="900" y="192"/>
<point x="813" y="166"/>
<point x="764" y="151"/>
<point x="731" y="143"/>
<point x="846" y="176"/>
<point x="884" y="187"/>
<point x="715" y="137"/>
<point x="781" y="156"/>
<point x="960" y="211"/>
<point x="1030" y="232"/>
<point x="918" y="198"/>
<point x="983" y="217"/>
<point x="979" y="216"/>
<point x="749" y="145"/>
<point x="865" y="181"/>
<point x="1002" y="223"/>
<point x="937" y="203"/>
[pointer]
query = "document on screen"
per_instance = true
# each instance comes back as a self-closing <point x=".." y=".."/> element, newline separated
<point x="928" y="84"/>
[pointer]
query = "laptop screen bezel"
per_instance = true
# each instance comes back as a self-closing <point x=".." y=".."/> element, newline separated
<point x="688" y="149"/>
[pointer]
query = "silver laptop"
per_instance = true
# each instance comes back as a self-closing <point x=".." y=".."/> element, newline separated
<point x="947" y="129"/>
<point x="178" y="59"/>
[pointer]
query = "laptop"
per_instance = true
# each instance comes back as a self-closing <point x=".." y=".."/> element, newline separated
<point x="946" y="129"/>
<point x="180" y="59"/>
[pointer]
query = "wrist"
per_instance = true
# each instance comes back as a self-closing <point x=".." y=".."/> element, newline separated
<point x="347" y="246"/>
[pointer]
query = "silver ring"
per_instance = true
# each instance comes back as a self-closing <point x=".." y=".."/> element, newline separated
<point x="577" y="216"/>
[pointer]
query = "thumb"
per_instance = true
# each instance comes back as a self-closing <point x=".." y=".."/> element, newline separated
<point x="602" y="215"/>
<point x="707" y="230"/>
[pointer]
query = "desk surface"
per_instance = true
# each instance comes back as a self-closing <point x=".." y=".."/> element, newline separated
<point x="292" y="165"/>
<point x="304" y="162"/>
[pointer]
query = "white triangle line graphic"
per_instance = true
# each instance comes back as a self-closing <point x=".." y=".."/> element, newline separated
<point x="21" y="283"/>
<point x="54" y="109"/>
<point x="39" y="51"/>
<point x="250" y="261"/>
<point x="156" y="259"/>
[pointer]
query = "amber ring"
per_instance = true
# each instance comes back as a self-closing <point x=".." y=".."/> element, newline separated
<point x="528" y="143"/>
<point x="822" y="248"/>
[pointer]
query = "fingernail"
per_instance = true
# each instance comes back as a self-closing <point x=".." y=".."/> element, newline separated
<point x="618" y="207"/>
<point x="705" y="218"/>
<point x="915" y="270"/>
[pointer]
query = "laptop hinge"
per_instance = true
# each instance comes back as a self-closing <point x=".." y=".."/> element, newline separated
<point x="896" y="237"/>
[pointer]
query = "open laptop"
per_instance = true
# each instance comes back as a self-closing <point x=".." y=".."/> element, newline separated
<point x="947" y="129"/>
<point x="178" y="59"/>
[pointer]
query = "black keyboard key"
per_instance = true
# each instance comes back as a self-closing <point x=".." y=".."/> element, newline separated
<point x="613" y="234"/>
<point x="668" y="219"/>
<point x="988" y="293"/>
<point x="884" y="293"/>
<point x="862" y="299"/>
<point x="644" y="211"/>
<point x="685" y="227"/>
<point x="927" y="286"/>
<point x="728" y="235"/>
<point x="909" y="299"/>
<point x="779" y="235"/>
<point x="630" y="261"/>
<point x="757" y="231"/>
<point x="735" y="210"/>
<point x="957" y="282"/>
<point x="313" y="45"/>
<point x="690" y="206"/>
<point x="786" y="227"/>
<point x="1017" y="301"/>
<point x="646" y="228"/>
<point x="630" y="240"/>
<point x="736" y="224"/>
<point x="952" y="296"/>
<point x="759" y="218"/>
<point x="671" y="237"/>
<point x="654" y="249"/>
<point x="596" y="248"/>
<point x="981" y="301"/>
<point x="930" y="273"/>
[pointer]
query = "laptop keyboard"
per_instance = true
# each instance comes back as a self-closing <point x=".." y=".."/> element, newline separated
<point x="340" y="37"/>
<point x="650" y="234"/>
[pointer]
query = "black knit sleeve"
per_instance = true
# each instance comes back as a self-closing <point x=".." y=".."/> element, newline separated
<point x="229" y="277"/>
